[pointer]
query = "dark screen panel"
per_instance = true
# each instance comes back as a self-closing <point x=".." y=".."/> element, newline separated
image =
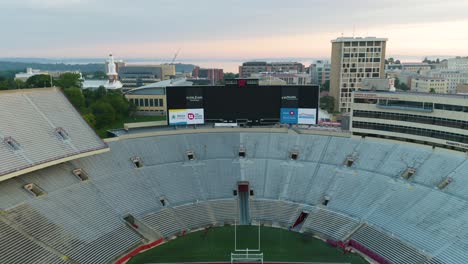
<point x="176" y="97"/>
<point x="308" y="97"/>
<point x="231" y="103"/>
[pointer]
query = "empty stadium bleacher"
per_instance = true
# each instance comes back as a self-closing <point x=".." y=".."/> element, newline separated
<point x="404" y="221"/>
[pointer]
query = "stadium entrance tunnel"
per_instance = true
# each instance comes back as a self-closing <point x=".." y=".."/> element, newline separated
<point x="244" y="205"/>
<point x="300" y="220"/>
<point x="216" y="245"/>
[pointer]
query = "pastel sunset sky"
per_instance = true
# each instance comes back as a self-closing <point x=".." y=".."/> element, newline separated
<point x="221" y="29"/>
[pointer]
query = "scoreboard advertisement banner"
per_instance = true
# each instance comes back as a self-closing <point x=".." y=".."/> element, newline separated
<point x="288" y="116"/>
<point x="307" y="116"/>
<point x="303" y="116"/>
<point x="186" y="116"/>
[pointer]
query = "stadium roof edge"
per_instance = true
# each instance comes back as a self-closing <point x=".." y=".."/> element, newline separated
<point x="51" y="163"/>
<point x="285" y="130"/>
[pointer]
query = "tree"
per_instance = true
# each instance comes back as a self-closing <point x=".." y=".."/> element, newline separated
<point x="118" y="102"/>
<point x="325" y="86"/>
<point x="397" y="62"/>
<point x="230" y="75"/>
<point x="68" y="80"/>
<point x="104" y="113"/>
<point x="327" y="103"/>
<point x="90" y="118"/>
<point x="76" y="97"/>
<point x="38" y="81"/>
<point x="432" y="90"/>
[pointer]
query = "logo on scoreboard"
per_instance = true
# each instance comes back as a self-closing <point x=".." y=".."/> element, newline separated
<point x="186" y="116"/>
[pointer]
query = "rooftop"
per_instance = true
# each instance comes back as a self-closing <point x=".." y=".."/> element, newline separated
<point x="352" y="39"/>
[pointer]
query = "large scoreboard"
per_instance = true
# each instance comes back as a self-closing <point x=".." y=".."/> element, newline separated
<point x="243" y="102"/>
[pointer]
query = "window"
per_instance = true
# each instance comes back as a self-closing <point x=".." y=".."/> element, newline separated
<point x="151" y="102"/>
<point x="161" y="104"/>
<point x="412" y="131"/>
<point x="251" y="193"/>
<point x="147" y="102"/>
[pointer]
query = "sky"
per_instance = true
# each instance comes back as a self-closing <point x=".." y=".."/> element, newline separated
<point x="227" y="29"/>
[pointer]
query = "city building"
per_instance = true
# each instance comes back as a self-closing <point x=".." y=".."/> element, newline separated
<point x="252" y="67"/>
<point x="151" y="99"/>
<point x="320" y="72"/>
<point x="453" y="77"/>
<point x="215" y="75"/>
<point x="286" y="77"/>
<point x="137" y="75"/>
<point x="354" y="59"/>
<point x="419" y="68"/>
<point x="458" y="63"/>
<point x="429" y="85"/>
<point x="432" y="119"/>
<point x="133" y="76"/>
<point x="378" y="84"/>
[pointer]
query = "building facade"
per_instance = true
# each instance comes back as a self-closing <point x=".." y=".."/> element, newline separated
<point x="214" y="75"/>
<point x="286" y="77"/>
<point x="458" y="63"/>
<point x="453" y="77"/>
<point x="137" y="75"/>
<point x="253" y="67"/>
<point x="320" y="72"/>
<point x="354" y="59"/>
<point x="429" y="85"/>
<point x="151" y="99"/>
<point x="431" y="119"/>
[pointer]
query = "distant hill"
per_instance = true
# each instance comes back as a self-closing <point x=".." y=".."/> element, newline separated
<point x="21" y="66"/>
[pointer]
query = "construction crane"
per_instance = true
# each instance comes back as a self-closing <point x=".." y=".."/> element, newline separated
<point x="175" y="56"/>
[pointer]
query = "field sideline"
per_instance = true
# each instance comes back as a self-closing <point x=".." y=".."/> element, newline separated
<point x="277" y="245"/>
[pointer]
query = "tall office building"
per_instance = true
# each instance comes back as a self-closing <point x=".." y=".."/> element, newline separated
<point x="352" y="60"/>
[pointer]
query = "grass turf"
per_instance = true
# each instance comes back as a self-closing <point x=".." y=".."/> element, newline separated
<point x="276" y="245"/>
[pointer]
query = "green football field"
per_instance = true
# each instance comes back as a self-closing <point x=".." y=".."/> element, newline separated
<point x="217" y="245"/>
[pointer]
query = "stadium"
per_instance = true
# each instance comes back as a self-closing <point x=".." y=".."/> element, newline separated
<point x="207" y="194"/>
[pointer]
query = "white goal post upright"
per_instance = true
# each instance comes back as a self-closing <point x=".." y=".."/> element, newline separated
<point x="246" y="255"/>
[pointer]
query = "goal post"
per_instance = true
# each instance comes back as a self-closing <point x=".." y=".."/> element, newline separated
<point x="246" y="256"/>
<point x="250" y="255"/>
